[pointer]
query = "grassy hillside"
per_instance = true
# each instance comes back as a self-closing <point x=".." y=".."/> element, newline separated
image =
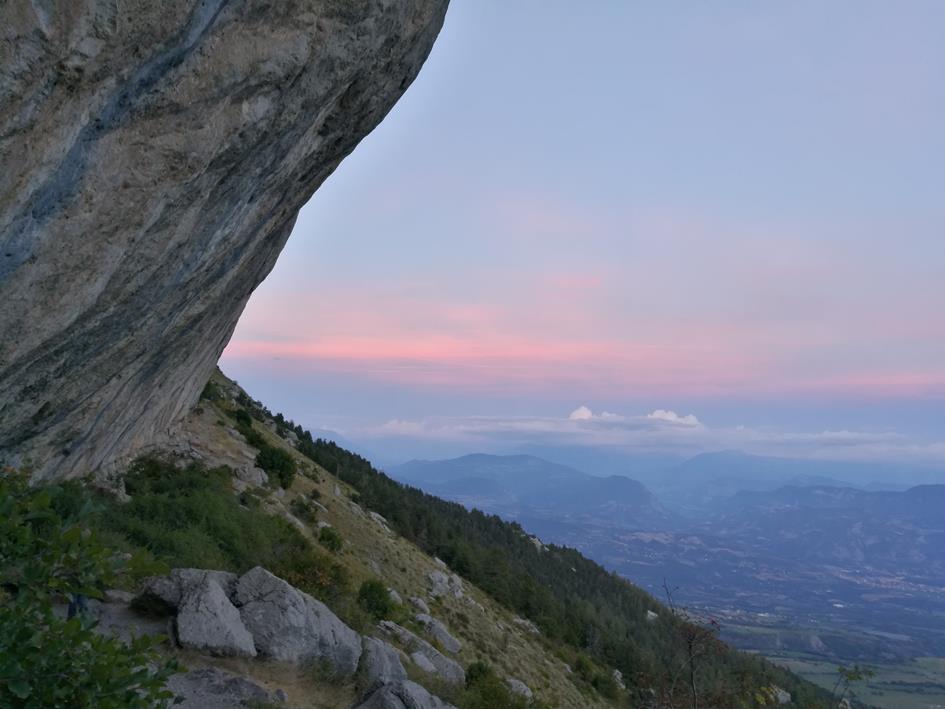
<point x="593" y="619"/>
<point x="331" y="524"/>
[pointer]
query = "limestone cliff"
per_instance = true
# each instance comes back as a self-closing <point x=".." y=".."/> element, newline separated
<point x="153" y="159"/>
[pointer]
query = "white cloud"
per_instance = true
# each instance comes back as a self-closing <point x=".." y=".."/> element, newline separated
<point x="673" y="417"/>
<point x="658" y="432"/>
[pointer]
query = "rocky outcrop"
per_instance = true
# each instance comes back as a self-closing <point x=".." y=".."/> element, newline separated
<point x="380" y="664"/>
<point x="215" y="689"/>
<point x="153" y="159"/>
<point x="208" y="622"/>
<point x="162" y="595"/>
<point x="517" y="686"/>
<point x="442" y="584"/>
<point x="438" y="632"/>
<point x="403" y="695"/>
<point x="420" y="604"/>
<point x="424" y="655"/>
<point x="291" y="626"/>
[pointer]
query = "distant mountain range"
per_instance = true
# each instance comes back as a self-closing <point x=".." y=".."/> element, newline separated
<point x="520" y="486"/>
<point x="788" y="552"/>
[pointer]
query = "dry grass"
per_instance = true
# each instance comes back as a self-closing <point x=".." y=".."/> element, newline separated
<point x="371" y="550"/>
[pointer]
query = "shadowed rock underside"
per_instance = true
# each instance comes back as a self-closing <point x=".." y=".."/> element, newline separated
<point x="153" y="159"/>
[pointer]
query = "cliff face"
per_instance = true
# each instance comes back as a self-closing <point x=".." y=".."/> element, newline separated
<point x="153" y="159"/>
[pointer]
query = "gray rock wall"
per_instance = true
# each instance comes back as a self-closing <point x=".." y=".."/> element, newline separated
<point x="153" y="159"/>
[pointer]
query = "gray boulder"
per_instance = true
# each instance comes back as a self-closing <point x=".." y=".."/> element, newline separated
<point x="517" y="686"/>
<point x="163" y="594"/>
<point x="445" y="668"/>
<point x="436" y="630"/>
<point x="216" y="689"/>
<point x="208" y="622"/>
<point x="403" y="695"/>
<point x="442" y="584"/>
<point x="420" y="604"/>
<point x="423" y="662"/>
<point x="291" y="626"/>
<point x="380" y="664"/>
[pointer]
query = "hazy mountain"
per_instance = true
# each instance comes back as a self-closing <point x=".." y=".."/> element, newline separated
<point x="699" y="484"/>
<point x="832" y="571"/>
<point x="526" y="486"/>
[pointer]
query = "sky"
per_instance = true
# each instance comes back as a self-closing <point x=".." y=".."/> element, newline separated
<point x="662" y="226"/>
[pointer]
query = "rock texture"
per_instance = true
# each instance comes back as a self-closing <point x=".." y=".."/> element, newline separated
<point x="517" y="686"/>
<point x="208" y="622"/>
<point x="403" y="695"/>
<point x="291" y="626"/>
<point x="216" y="689"/>
<point x="424" y="655"/>
<point x="380" y="664"/>
<point x="163" y="594"/>
<point x="438" y="632"/>
<point x="153" y="159"/>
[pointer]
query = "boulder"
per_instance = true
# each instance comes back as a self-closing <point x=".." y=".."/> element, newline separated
<point x="403" y="695"/>
<point x="251" y="475"/>
<point x="436" y="630"/>
<point x="163" y="594"/>
<point x="442" y="584"/>
<point x="216" y="689"/>
<point x="419" y="604"/>
<point x="618" y="679"/>
<point x="781" y="696"/>
<point x="208" y="622"/>
<point x="291" y="626"/>
<point x="395" y="597"/>
<point x="526" y="625"/>
<point x="380" y="663"/>
<point x="517" y="686"/>
<point x="155" y="158"/>
<point x="423" y="662"/>
<point x="445" y="668"/>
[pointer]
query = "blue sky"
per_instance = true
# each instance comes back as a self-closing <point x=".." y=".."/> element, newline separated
<point x="724" y="209"/>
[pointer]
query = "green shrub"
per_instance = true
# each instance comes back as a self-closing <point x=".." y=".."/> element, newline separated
<point x="303" y="509"/>
<point x="190" y="518"/>
<point x="277" y="463"/>
<point x="315" y="493"/>
<point x="211" y="392"/>
<point x="242" y="418"/>
<point x="486" y="690"/>
<point x="374" y="597"/>
<point x="605" y="685"/>
<point x="330" y="539"/>
<point x="46" y="661"/>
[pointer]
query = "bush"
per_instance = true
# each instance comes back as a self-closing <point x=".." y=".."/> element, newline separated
<point x="211" y="392"/>
<point x="190" y="518"/>
<point x="303" y="509"/>
<point x="486" y="690"/>
<point x="46" y="661"/>
<point x="278" y="463"/>
<point x="374" y="597"/>
<point x="242" y="418"/>
<point x="330" y="539"/>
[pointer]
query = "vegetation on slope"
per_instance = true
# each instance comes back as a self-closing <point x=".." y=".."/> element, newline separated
<point x="48" y="554"/>
<point x="573" y="600"/>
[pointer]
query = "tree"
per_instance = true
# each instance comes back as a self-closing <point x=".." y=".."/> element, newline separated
<point x="46" y="661"/>
<point x="374" y="597"/>
<point x="846" y="676"/>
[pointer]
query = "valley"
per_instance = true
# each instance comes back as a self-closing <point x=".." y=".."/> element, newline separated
<point x="811" y="576"/>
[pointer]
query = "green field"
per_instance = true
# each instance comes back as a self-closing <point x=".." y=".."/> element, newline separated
<point x="917" y="684"/>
